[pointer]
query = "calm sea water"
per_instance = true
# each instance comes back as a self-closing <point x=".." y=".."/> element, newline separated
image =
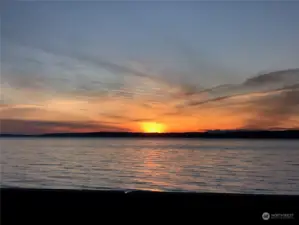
<point x="242" y="166"/>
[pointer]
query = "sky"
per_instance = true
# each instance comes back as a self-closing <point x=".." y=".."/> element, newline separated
<point x="75" y="66"/>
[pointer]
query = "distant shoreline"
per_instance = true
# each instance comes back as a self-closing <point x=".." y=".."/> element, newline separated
<point x="285" y="134"/>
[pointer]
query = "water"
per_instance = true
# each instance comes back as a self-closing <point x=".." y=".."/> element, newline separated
<point x="234" y="166"/>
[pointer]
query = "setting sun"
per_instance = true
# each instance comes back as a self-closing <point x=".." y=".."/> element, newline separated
<point x="153" y="127"/>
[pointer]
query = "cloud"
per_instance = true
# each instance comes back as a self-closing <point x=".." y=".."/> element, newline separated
<point x="80" y="88"/>
<point x="284" y="77"/>
<point x="97" y="61"/>
<point x="52" y="71"/>
<point x="275" y="110"/>
<point x="18" y="126"/>
<point x="261" y="106"/>
<point x="225" y="97"/>
<point x="59" y="110"/>
<point x="66" y="76"/>
<point x="110" y="66"/>
<point x="123" y="118"/>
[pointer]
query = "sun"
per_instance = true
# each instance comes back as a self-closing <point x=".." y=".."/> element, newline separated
<point x="153" y="127"/>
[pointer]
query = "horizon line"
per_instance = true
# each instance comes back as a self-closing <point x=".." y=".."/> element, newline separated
<point x="155" y="133"/>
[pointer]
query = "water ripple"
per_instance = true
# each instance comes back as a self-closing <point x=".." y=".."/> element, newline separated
<point x="160" y="165"/>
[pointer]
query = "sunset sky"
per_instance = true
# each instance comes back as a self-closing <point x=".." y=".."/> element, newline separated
<point x="75" y="66"/>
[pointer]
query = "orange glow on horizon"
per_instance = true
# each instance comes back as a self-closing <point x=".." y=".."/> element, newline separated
<point x="153" y="127"/>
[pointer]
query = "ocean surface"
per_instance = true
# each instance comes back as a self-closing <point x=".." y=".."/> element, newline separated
<point x="233" y="166"/>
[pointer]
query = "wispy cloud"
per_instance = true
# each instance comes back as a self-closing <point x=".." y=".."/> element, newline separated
<point x="35" y="126"/>
<point x="275" y="110"/>
<point x="260" y="106"/>
<point x="81" y="91"/>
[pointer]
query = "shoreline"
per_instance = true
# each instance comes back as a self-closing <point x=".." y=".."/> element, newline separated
<point x="285" y="134"/>
<point x="91" y="204"/>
